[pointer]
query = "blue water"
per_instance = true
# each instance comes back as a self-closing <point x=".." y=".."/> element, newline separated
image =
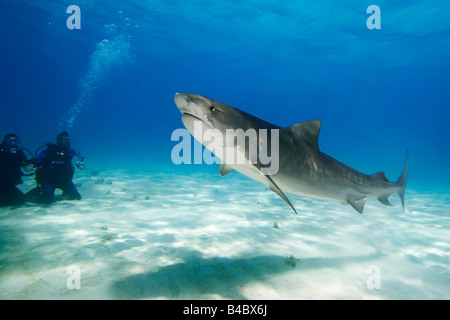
<point x="111" y="83"/>
<point x="378" y="92"/>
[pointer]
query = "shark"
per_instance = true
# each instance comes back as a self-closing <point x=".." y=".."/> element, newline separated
<point x="302" y="169"/>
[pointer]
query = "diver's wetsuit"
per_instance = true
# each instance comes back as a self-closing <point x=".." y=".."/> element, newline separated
<point x="11" y="160"/>
<point x="54" y="170"/>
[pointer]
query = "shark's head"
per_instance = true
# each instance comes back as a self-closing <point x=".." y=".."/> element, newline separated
<point x="228" y="131"/>
<point x="213" y="114"/>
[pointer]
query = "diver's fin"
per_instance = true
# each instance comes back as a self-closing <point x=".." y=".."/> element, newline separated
<point x="384" y="199"/>
<point x="358" y="204"/>
<point x="273" y="186"/>
<point x="225" y="169"/>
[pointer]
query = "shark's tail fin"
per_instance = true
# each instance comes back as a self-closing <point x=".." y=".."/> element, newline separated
<point x="401" y="182"/>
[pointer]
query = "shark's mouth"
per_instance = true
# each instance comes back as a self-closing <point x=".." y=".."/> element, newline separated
<point x="189" y="121"/>
<point x="187" y="114"/>
<point x="194" y="124"/>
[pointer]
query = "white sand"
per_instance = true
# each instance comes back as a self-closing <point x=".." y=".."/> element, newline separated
<point x="202" y="236"/>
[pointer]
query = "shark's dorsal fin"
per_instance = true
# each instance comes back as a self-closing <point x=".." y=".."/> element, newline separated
<point x="225" y="169"/>
<point x="307" y="131"/>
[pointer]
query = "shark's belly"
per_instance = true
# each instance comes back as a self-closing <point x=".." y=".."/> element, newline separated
<point x="319" y="176"/>
<point x="251" y="172"/>
<point x="310" y="189"/>
<point x="332" y="184"/>
<point x="292" y="183"/>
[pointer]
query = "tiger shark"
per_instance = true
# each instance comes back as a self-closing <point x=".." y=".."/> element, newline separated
<point x="302" y="168"/>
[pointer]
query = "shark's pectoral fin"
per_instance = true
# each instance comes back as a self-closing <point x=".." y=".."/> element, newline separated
<point x="358" y="204"/>
<point x="273" y="186"/>
<point x="225" y="169"/>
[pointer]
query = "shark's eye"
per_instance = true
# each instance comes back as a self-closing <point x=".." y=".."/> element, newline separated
<point x="212" y="108"/>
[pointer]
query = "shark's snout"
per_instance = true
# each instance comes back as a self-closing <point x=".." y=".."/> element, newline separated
<point x="179" y="96"/>
<point x="181" y="100"/>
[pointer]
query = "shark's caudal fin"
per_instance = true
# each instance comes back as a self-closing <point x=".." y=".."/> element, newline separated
<point x="401" y="182"/>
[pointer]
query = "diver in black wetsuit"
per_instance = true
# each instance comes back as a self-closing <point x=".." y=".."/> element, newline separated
<point x="12" y="159"/>
<point x="54" y="169"/>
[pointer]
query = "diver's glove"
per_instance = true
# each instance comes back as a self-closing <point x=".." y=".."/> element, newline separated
<point x="80" y="165"/>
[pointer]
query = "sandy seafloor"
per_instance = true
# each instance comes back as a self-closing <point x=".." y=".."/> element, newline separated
<point x="196" y="235"/>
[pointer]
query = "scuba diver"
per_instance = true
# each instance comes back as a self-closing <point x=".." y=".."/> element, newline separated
<point x="12" y="160"/>
<point x="54" y="169"/>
